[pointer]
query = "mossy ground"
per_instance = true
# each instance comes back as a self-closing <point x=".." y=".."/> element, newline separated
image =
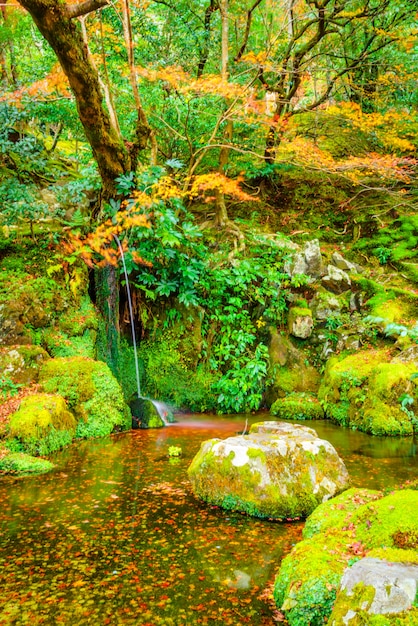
<point x="339" y="532"/>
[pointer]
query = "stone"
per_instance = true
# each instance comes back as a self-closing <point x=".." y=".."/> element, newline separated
<point x="22" y="363"/>
<point x="277" y="471"/>
<point x="292" y="372"/>
<point x="341" y="263"/>
<point x="336" y="280"/>
<point x="324" y="305"/>
<point x="376" y="587"/>
<point x="308" y="261"/>
<point x="300" y="323"/>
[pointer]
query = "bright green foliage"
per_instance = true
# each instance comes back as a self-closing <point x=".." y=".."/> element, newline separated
<point x="298" y="406"/>
<point x="42" y="425"/>
<point x="92" y="393"/>
<point x="353" y="525"/>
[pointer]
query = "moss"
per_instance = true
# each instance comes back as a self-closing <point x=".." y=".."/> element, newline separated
<point x="41" y="425"/>
<point x="272" y="478"/>
<point x="298" y="406"/>
<point x="340" y="509"/>
<point x="365" y="391"/>
<point x="19" y="463"/>
<point x="356" y="523"/>
<point x="92" y="393"/>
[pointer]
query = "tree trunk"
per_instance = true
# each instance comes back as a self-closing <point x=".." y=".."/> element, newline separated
<point x="64" y="36"/>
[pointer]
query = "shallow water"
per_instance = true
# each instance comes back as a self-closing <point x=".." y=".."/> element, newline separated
<point x="115" y="536"/>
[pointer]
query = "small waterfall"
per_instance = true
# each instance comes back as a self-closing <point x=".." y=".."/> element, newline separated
<point x="160" y="407"/>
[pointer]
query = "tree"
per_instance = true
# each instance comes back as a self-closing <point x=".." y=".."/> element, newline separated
<point x="58" y="24"/>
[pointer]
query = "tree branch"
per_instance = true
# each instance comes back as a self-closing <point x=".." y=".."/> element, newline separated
<point x="88" y="6"/>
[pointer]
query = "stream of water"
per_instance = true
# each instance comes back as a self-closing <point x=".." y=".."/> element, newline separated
<point x="115" y="536"/>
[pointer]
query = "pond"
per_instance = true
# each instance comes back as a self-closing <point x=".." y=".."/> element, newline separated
<point x="115" y="536"/>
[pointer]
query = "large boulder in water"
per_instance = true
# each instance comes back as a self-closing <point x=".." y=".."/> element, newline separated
<point x="278" y="471"/>
<point x="148" y="413"/>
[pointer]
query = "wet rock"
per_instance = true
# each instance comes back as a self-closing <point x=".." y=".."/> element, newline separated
<point x="300" y="323"/>
<point x="376" y="587"/>
<point x="278" y="470"/>
<point x="336" y="280"/>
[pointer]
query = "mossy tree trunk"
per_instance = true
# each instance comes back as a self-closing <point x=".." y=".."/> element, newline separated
<point x="57" y="22"/>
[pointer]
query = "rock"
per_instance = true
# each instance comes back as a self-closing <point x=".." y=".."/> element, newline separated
<point x="355" y="523"/>
<point x="22" y="363"/>
<point x="92" y="393"/>
<point x="336" y="280"/>
<point x="298" y="406"/>
<point x="24" y="464"/>
<point x="293" y="374"/>
<point x="356" y="301"/>
<point x="148" y="413"/>
<point x="364" y="391"/>
<point x="341" y="263"/>
<point x="42" y="424"/>
<point x="375" y="587"/>
<point x="308" y="261"/>
<point x="325" y="305"/>
<point x="300" y="323"/>
<point x="277" y="471"/>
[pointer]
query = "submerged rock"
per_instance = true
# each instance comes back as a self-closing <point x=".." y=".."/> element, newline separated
<point x="374" y="587"/>
<point x="278" y="471"/>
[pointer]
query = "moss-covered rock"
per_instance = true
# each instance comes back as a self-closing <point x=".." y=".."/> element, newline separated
<point x="298" y="406"/>
<point x="150" y="413"/>
<point x="300" y="322"/>
<point x="41" y="425"/>
<point x="372" y="392"/>
<point x="20" y="463"/>
<point x="74" y="332"/>
<point x="293" y="374"/>
<point x="22" y="363"/>
<point x="92" y="393"/>
<point x="278" y="471"/>
<point x="357" y="523"/>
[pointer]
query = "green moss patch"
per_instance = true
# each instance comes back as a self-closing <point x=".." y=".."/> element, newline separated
<point x="92" y="393"/>
<point x="298" y="406"/>
<point x="20" y="463"/>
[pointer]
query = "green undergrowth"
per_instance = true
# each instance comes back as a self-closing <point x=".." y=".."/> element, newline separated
<point x="355" y="524"/>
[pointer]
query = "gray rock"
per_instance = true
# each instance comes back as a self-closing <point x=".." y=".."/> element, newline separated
<point x="278" y="470"/>
<point x="308" y="261"/>
<point x="376" y="586"/>
<point x="356" y="301"/>
<point x="336" y="280"/>
<point x="324" y="305"/>
<point x="341" y="263"/>
<point x="300" y="323"/>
